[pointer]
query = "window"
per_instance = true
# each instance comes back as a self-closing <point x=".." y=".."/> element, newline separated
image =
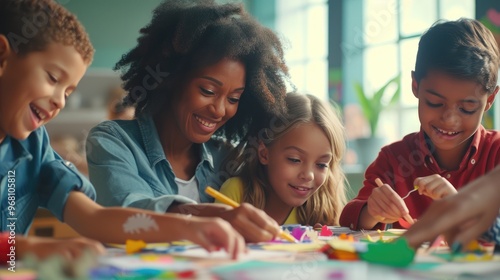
<point x="380" y="40"/>
<point x="303" y="26"/>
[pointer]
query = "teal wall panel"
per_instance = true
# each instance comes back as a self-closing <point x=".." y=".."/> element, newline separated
<point x="113" y="25"/>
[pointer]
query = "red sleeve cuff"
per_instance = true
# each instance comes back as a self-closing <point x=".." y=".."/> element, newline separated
<point x="351" y="213"/>
<point x="5" y="248"/>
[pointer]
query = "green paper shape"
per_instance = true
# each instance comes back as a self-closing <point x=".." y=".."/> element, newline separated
<point x="396" y="253"/>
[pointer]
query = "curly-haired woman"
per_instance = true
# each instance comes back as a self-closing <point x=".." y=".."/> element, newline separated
<point x="198" y="75"/>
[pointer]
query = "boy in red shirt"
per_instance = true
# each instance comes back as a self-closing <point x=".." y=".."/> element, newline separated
<point x="455" y="81"/>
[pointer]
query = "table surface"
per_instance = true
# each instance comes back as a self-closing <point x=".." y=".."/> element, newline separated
<point x="162" y="261"/>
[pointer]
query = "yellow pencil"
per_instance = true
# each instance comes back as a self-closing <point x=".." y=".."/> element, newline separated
<point x="226" y="200"/>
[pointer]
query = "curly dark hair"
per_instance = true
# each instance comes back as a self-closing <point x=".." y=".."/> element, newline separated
<point x="30" y="25"/>
<point x="186" y="35"/>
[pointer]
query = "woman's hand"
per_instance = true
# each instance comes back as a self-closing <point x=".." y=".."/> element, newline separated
<point x="434" y="186"/>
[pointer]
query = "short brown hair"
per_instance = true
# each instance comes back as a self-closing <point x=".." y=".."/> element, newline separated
<point x="30" y="25"/>
<point x="464" y="49"/>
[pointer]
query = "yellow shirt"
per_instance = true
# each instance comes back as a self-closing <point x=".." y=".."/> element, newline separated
<point x="233" y="188"/>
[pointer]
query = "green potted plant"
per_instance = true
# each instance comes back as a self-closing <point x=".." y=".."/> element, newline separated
<point x="372" y="106"/>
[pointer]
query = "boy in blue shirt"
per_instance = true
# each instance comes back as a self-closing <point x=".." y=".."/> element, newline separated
<point x="44" y="52"/>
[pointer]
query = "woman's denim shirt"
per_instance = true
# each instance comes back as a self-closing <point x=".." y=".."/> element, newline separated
<point x="33" y="175"/>
<point x="128" y="167"/>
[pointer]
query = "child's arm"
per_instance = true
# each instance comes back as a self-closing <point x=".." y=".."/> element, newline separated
<point x="376" y="206"/>
<point x="434" y="186"/>
<point x="461" y="217"/>
<point x="116" y="225"/>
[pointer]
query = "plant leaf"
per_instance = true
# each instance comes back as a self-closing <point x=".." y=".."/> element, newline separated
<point x="397" y="93"/>
<point x="364" y="102"/>
<point x="372" y="107"/>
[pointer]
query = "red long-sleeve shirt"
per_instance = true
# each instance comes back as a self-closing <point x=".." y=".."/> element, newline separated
<point x="400" y="163"/>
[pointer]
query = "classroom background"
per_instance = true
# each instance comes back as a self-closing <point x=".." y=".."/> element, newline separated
<point x="332" y="48"/>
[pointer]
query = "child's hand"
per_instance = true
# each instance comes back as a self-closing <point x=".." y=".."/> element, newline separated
<point x="384" y="205"/>
<point x="462" y="217"/>
<point x="434" y="186"/>
<point x="70" y="249"/>
<point x="215" y="233"/>
<point x="254" y="224"/>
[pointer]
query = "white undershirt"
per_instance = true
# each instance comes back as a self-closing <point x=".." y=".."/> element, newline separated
<point x="189" y="188"/>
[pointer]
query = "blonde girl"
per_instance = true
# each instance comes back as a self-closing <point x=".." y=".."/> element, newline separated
<point x="290" y="166"/>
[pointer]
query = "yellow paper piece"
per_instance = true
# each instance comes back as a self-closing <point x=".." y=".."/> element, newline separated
<point x="293" y="247"/>
<point x="134" y="246"/>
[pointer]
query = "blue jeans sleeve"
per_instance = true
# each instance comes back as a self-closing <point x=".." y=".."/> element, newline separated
<point x="122" y="174"/>
<point x="58" y="179"/>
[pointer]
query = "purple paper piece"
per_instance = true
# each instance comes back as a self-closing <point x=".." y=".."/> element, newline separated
<point x="297" y="233"/>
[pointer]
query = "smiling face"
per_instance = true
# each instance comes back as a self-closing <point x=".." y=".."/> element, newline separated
<point x="296" y="164"/>
<point x="450" y="110"/>
<point x="208" y="99"/>
<point x="33" y="87"/>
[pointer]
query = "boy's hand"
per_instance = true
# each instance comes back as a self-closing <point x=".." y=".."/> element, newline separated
<point x="461" y="218"/>
<point x="434" y="186"/>
<point x="384" y="205"/>
<point x="254" y="224"/>
<point x="70" y="249"/>
<point x="215" y="233"/>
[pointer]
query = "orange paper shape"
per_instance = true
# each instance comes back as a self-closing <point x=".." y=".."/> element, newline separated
<point x="134" y="246"/>
<point x="336" y="254"/>
<point x="404" y="223"/>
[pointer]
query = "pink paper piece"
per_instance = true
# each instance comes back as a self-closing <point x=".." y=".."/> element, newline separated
<point x="325" y="231"/>
<point x="437" y="242"/>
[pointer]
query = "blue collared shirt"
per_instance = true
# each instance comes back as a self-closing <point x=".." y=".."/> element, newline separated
<point x="33" y="175"/>
<point x="128" y="167"/>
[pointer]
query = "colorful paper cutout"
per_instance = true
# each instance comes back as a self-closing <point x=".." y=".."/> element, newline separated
<point x="325" y="231"/>
<point x="403" y="223"/>
<point x="298" y="233"/>
<point x="396" y="253"/>
<point x="134" y="246"/>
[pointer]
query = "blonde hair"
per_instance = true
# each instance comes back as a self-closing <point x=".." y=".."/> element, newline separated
<point x="326" y="204"/>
